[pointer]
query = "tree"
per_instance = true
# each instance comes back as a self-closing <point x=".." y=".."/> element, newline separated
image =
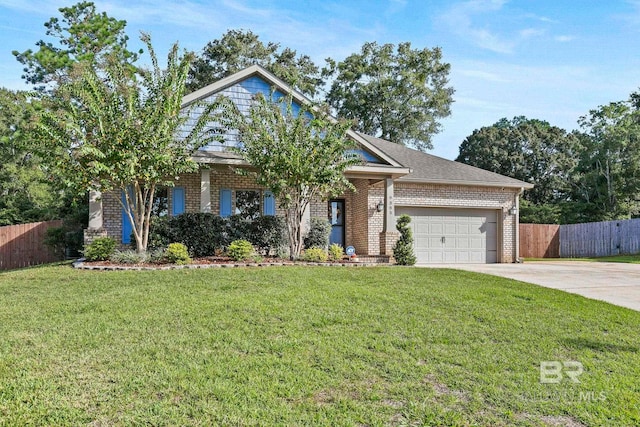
<point x="298" y="156"/>
<point x="529" y="150"/>
<point x="26" y="193"/>
<point x="82" y="35"/>
<point x="398" y="94"/>
<point x="237" y="50"/>
<point x="607" y="183"/>
<point x="114" y="131"/>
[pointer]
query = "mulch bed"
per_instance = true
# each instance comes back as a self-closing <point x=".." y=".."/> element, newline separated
<point x="212" y="262"/>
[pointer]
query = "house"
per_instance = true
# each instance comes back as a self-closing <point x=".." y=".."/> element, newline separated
<point x="460" y="214"/>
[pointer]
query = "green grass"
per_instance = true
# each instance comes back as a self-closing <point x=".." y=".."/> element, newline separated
<point x="627" y="259"/>
<point x="307" y="346"/>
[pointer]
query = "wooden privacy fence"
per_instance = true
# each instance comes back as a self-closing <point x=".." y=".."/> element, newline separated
<point x="591" y="239"/>
<point x="23" y="245"/>
<point x="600" y="238"/>
<point x="539" y="240"/>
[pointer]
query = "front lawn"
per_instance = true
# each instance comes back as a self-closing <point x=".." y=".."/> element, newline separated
<point x="307" y="346"/>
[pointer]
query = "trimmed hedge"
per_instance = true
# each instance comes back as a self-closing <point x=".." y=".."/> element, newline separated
<point x="206" y="234"/>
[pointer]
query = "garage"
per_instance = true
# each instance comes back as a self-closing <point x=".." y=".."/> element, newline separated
<point x="443" y="235"/>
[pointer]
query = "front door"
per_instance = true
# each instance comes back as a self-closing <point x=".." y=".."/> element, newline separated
<point x="336" y="218"/>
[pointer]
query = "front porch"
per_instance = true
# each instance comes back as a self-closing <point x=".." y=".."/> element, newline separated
<point x="368" y="219"/>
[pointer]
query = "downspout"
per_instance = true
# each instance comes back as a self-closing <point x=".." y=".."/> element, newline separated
<point x="517" y="223"/>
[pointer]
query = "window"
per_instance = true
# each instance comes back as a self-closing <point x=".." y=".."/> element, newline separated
<point x="248" y="204"/>
<point x="160" y="206"/>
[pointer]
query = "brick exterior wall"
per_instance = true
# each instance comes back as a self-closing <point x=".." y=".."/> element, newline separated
<point x="112" y="214"/>
<point x="191" y="184"/>
<point x="319" y="208"/>
<point x="363" y="222"/>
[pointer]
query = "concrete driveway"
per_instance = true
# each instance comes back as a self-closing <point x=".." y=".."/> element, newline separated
<point x="615" y="283"/>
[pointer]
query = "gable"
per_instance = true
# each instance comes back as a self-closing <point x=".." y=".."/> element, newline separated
<point x="242" y="92"/>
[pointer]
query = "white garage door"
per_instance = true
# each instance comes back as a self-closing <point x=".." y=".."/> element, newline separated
<point x="453" y="235"/>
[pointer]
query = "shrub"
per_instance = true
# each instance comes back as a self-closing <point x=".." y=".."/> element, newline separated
<point x="156" y="256"/>
<point x="177" y="253"/>
<point x="268" y="234"/>
<point x="318" y="235"/>
<point x="54" y="238"/>
<point x="403" y="249"/>
<point x="240" y="250"/>
<point x="335" y="252"/>
<point x="127" y="257"/>
<point x="315" y="255"/>
<point x="238" y="228"/>
<point x="100" y="249"/>
<point x="65" y="242"/>
<point x="159" y="233"/>
<point x="201" y="232"/>
<point x="74" y="240"/>
<point x="206" y="234"/>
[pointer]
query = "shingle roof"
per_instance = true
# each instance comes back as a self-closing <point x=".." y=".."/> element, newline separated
<point x="429" y="168"/>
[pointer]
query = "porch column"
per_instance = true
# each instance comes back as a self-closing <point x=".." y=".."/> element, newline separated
<point x="389" y="217"/>
<point x="96" y="224"/>
<point x="205" y="190"/>
<point x="389" y="234"/>
<point x="95" y="210"/>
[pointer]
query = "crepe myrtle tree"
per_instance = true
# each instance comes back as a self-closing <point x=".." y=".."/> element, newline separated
<point x="298" y="155"/>
<point x="123" y="130"/>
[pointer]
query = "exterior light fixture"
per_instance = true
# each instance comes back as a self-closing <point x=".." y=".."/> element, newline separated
<point x="380" y="206"/>
<point x="513" y="211"/>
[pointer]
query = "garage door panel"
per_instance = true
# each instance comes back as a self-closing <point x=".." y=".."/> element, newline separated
<point x="435" y="228"/>
<point x="477" y="243"/>
<point x="470" y="235"/>
<point x="462" y="243"/>
<point x="463" y="228"/>
<point x="476" y="258"/>
<point x="450" y="228"/>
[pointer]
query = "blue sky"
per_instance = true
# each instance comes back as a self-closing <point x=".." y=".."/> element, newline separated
<point x="549" y="60"/>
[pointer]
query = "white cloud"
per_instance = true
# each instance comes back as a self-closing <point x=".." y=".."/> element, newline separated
<point x="472" y="20"/>
<point x="564" y="38"/>
<point x="459" y="18"/>
<point x="531" y="32"/>
<point x="541" y="18"/>
<point x="482" y="75"/>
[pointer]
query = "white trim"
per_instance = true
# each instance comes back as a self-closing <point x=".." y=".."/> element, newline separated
<point x="392" y="171"/>
<point x="239" y="76"/>
<point x="517" y="185"/>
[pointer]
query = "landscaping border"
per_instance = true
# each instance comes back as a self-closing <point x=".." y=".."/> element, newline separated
<point x="82" y="265"/>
